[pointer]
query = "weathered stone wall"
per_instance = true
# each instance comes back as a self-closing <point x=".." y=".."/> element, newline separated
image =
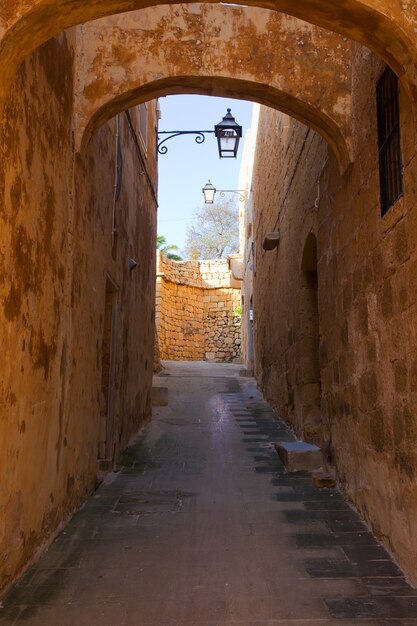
<point x="340" y="358"/>
<point x="246" y="240"/>
<point x="386" y="26"/>
<point x="61" y="272"/>
<point x="145" y="51"/>
<point x="336" y="306"/>
<point x="196" y="316"/>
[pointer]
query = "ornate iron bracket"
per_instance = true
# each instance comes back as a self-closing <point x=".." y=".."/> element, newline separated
<point x="242" y="193"/>
<point x="200" y="137"/>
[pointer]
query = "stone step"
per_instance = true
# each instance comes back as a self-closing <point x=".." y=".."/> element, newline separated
<point x="159" y="396"/>
<point x="299" y="456"/>
<point x="324" y="479"/>
<point x="248" y="373"/>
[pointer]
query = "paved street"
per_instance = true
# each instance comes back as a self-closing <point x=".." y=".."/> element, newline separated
<point x="202" y="527"/>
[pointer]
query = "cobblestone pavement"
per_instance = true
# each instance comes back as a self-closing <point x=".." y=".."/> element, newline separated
<point x="203" y="527"/>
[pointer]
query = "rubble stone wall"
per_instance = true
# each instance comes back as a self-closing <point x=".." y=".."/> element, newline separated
<point x="197" y="315"/>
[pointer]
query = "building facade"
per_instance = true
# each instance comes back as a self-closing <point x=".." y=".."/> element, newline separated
<point x="338" y="356"/>
<point x="76" y="316"/>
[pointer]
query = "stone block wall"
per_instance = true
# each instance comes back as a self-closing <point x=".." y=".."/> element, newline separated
<point x="335" y="306"/>
<point x="196" y="311"/>
<point x="76" y="326"/>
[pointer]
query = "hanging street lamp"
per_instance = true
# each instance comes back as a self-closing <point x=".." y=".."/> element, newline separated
<point x="209" y="191"/>
<point x="228" y="133"/>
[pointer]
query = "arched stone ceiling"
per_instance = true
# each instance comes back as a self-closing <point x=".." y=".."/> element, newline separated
<point x="388" y="27"/>
<point x="248" y="53"/>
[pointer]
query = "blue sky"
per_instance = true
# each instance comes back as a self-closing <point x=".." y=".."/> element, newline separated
<point x="186" y="167"/>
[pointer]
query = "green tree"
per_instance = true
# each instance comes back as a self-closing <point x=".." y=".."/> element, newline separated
<point x="214" y="232"/>
<point x="168" y="250"/>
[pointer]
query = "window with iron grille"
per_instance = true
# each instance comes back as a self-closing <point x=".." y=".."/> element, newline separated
<point x="390" y="161"/>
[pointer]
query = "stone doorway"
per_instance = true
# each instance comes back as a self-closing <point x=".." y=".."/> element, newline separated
<point x="108" y="373"/>
<point x="309" y="382"/>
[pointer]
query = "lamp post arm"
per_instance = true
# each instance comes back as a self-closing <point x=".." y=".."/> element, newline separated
<point x="242" y="193"/>
<point x="200" y="137"/>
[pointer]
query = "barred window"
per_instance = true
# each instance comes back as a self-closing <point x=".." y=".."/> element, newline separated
<point x="390" y="160"/>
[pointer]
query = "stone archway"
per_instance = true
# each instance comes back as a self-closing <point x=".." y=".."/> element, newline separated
<point x="388" y="28"/>
<point x="215" y="50"/>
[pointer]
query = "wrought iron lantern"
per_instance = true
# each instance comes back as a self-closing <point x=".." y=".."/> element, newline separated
<point x="209" y="192"/>
<point x="228" y="133"/>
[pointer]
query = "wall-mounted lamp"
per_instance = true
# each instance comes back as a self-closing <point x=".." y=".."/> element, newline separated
<point x="271" y="241"/>
<point x="228" y="133"/>
<point x="209" y="191"/>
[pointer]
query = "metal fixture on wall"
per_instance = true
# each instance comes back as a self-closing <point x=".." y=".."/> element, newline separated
<point x="271" y="241"/>
<point x="209" y="191"/>
<point x="228" y="133"/>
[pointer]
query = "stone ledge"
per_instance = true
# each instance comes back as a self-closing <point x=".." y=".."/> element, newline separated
<point x="299" y="456"/>
<point x="323" y="479"/>
<point x="159" y="396"/>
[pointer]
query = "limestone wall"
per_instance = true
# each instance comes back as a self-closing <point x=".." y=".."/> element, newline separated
<point x="335" y="306"/>
<point x="76" y="326"/>
<point x="196" y="311"/>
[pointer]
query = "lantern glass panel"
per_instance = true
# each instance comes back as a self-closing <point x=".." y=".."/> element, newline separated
<point x="209" y="192"/>
<point x="209" y="196"/>
<point x="228" y="142"/>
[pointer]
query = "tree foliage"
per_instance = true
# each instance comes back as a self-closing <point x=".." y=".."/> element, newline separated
<point x="168" y="250"/>
<point x="214" y="232"/>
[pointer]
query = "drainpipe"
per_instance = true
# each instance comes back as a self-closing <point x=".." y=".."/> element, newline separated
<point x="116" y="178"/>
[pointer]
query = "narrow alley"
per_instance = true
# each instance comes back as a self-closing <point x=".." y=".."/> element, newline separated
<point x="202" y="526"/>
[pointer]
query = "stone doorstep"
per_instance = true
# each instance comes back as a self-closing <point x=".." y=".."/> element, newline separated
<point x="299" y="456"/>
<point x="324" y="479"/>
<point x="159" y="396"/>
<point x="104" y="465"/>
<point x="246" y="373"/>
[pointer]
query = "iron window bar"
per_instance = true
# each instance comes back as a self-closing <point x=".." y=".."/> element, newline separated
<point x="389" y="142"/>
